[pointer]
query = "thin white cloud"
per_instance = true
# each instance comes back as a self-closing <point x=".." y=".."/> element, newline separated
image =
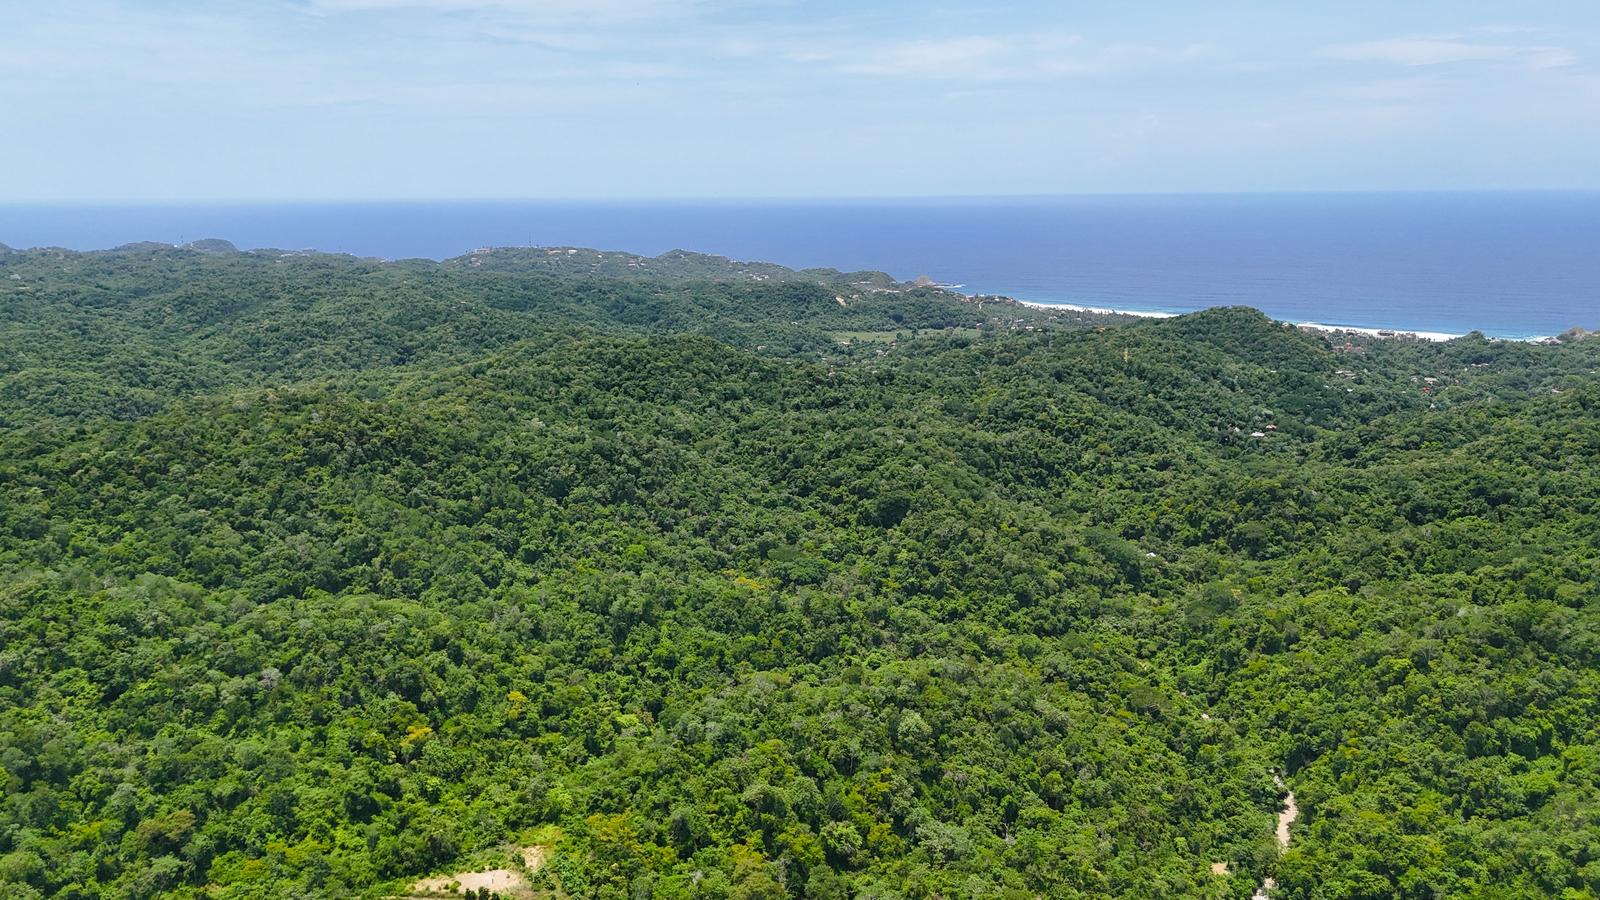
<point x="563" y="12"/>
<point x="1407" y="90"/>
<point x="1434" y="51"/>
<point x="932" y="57"/>
<point x="981" y="58"/>
<point x="1507" y="29"/>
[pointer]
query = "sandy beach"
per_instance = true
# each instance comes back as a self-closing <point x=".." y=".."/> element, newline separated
<point x="1101" y="310"/>
<point x="1381" y="332"/>
<point x="1396" y="333"/>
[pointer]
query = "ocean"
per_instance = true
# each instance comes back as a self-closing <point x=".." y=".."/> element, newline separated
<point x="1510" y="264"/>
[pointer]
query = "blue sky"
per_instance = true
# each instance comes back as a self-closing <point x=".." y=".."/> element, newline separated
<point x="346" y="99"/>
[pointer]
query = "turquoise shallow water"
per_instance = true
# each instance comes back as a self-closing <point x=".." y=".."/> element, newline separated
<point x="1510" y="264"/>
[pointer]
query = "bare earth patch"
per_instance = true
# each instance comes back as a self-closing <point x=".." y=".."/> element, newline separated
<point x="501" y="881"/>
<point x="534" y="856"/>
<point x="511" y="883"/>
<point x="1286" y="817"/>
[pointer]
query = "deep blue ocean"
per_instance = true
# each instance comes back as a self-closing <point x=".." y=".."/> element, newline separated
<point x="1510" y="264"/>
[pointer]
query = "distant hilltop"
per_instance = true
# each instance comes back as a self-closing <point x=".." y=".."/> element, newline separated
<point x="671" y="266"/>
<point x="211" y="245"/>
<point x="204" y="245"/>
<point x="674" y="265"/>
<point x="847" y="293"/>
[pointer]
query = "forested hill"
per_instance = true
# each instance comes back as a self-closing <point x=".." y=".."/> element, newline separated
<point x="122" y="333"/>
<point x="319" y="576"/>
<point x="674" y="265"/>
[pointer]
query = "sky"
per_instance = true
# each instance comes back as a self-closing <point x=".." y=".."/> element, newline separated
<point x="280" y="100"/>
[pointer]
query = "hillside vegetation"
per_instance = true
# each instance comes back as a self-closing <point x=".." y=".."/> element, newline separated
<point x="320" y="575"/>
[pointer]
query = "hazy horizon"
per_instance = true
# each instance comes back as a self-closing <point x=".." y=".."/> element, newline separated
<point x="115" y="101"/>
<point x="776" y="199"/>
<point x="1513" y="264"/>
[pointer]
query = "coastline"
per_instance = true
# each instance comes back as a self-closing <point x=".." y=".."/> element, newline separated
<point x="1364" y="330"/>
<point x="1436" y="336"/>
<point x="1101" y="310"/>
